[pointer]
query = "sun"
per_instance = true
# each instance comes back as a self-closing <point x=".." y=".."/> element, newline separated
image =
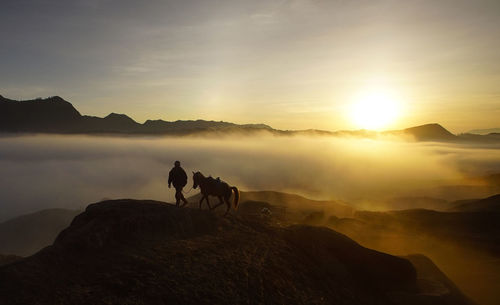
<point x="374" y="109"/>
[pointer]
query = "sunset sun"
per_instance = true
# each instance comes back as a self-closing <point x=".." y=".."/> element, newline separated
<point x="374" y="109"/>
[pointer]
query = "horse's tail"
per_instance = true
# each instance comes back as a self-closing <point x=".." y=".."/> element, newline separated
<point x="236" y="197"/>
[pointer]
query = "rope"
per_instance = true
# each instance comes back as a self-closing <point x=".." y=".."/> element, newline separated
<point x="188" y="191"/>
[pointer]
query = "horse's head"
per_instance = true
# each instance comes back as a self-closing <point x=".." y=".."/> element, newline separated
<point x="196" y="179"/>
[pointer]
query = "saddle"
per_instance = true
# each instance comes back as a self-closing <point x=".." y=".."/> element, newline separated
<point x="216" y="182"/>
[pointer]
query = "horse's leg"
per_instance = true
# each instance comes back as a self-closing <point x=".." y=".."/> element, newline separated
<point x="201" y="200"/>
<point x="221" y="202"/>
<point x="208" y="203"/>
<point x="228" y="204"/>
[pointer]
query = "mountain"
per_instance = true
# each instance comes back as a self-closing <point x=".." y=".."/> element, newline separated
<point x="465" y="245"/>
<point x="485" y="131"/>
<point x="113" y="123"/>
<point x="148" y="252"/>
<point x="479" y="230"/>
<point x="427" y="132"/>
<point x="200" y="126"/>
<point x="55" y="115"/>
<point x="487" y="138"/>
<point x="414" y="202"/>
<point x="431" y="277"/>
<point x="287" y="207"/>
<point x="490" y="204"/>
<point x="52" y="114"/>
<point x="27" y="234"/>
<point x="430" y="132"/>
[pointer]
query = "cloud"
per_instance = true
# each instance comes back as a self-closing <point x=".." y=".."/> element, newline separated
<point x="72" y="171"/>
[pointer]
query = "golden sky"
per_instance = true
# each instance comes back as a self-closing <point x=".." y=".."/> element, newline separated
<point x="291" y="64"/>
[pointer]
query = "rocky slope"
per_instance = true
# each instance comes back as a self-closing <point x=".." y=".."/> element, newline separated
<point x="146" y="252"/>
<point x="27" y="234"/>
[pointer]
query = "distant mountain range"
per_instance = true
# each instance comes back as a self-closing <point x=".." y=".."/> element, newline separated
<point x="56" y="115"/>
<point x="485" y="131"/>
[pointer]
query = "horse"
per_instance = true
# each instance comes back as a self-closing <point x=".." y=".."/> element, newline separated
<point x="215" y="187"/>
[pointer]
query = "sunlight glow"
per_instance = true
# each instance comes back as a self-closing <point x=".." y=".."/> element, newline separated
<point x="374" y="109"/>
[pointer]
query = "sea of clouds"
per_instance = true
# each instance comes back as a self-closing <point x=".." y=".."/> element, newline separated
<point x="44" y="171"/>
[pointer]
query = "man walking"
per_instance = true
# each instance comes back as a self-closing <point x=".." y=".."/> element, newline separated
<point x="177" y="176"/>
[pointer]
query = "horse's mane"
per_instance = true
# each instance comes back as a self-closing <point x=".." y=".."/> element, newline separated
<point x="198" y="173"/>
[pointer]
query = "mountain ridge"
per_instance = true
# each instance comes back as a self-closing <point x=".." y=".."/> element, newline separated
<point x="56" y="115"/>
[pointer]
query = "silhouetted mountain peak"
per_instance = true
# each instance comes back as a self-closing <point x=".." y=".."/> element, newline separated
<point x="42" y="115"/>
<point x="55" y="98"/>
<point x="430" y="132"/>
<point x="119" y="117"/>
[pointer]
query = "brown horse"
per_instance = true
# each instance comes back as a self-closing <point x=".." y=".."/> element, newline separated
<point x="215" y="187"/>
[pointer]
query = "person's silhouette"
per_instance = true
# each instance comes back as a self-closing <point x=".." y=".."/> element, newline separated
<point x="177" y="176"/>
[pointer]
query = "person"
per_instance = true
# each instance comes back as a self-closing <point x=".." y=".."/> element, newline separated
<point x="177" y="176"/>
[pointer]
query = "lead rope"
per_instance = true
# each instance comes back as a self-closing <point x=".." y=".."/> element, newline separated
<point x="188" y="191"/>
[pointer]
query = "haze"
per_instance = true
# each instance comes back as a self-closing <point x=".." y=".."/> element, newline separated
<point x="72" y="171"/>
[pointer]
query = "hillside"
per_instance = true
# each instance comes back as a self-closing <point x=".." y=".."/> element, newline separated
<point x="289" y="207"/>
<point x="27" y="234"/>
<point x="465" y="245"/>
<point x="476" y="230"/>
<point x="490" y="204"/>
<point x="147" y="252"/>
<point x="7" y="259"/>
<point x="414" y="202"/>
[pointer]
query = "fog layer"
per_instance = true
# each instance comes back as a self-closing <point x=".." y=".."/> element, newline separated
<point x="42" y="171"/>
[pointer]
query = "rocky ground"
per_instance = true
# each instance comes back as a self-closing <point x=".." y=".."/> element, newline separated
<point x="147" y="252"/>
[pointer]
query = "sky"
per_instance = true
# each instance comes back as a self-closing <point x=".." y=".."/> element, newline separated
<point x="294" y="64"/>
